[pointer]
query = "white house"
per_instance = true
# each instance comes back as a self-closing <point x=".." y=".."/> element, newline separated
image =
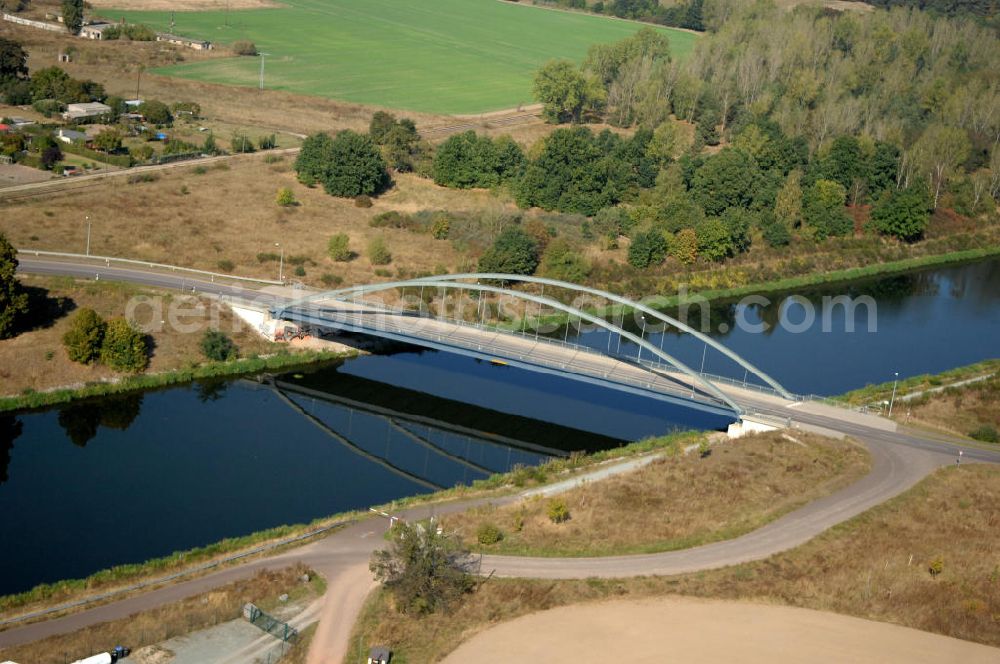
<point x="88" y="110"/>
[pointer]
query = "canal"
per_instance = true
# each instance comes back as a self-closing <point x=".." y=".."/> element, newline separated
<point x="129" y="478"/>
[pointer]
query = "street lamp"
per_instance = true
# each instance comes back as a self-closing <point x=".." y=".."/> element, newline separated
<point x="87" y="218"/>
<point x="642" y="335"/>
<point x="892" y="399"/>
<point x="281" y="263"/>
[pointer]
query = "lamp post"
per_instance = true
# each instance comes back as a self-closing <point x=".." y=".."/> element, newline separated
<point x="642" y="335"/>
<point x="262" y="69"/>
<point x="281" y="263"/>
<point x="892" y="399"/>
<point x="88" y="234"/>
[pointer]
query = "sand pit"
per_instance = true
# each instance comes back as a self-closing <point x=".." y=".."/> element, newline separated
<point x="679" y="629"/>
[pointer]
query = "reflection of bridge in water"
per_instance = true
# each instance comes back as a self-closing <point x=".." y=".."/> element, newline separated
<point x="430" y="441"/>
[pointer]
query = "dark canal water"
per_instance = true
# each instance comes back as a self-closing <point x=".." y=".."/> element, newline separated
<point x="126" y="479"/>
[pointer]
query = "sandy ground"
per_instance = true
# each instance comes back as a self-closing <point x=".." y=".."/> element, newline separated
<point x="14" y="174"/>
<point x="679" y="629"/>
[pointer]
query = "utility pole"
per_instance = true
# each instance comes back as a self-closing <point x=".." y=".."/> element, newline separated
<point x="892" y="399"/>
<point x="88" y="234"/>
<point x="281" y="263"/>
<point x="262" y="69"/>
<point x="138" y="79"/>
<point x="642" y="336"/>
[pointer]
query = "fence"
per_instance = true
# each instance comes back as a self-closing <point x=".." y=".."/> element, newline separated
<point x="276" y="628"/>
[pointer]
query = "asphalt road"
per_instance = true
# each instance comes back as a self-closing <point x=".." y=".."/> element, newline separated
<point x="900" y="459"/>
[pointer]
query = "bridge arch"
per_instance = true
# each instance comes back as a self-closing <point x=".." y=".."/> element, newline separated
<point x="353" y="292"/>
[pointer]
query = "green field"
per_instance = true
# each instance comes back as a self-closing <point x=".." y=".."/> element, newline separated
<point x="436" y="56"/>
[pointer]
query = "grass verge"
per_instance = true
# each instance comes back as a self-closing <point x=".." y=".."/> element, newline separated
<point x="676" y="502"/>
<point x="874" y="566"/>
<point x="883" y="391"/>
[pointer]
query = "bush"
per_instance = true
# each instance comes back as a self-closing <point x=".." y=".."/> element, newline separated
<point x="268" y="142"/>
<point x="241" y="143"/>
<point x="285" y="197"/>
<point x="488" y="534"/>
<point x="348" y="165"/>
<point x="441" y="227"/>
<point x="124" y="347"/>
<point x="362" y="201"/>
<point x="649" y="248"/>
<point x="902" y="214"/>
<point x="339" y="247"/>
<point x="776" y="234"/>
<point x="936" y="566"/>
<point x="393" y="219"/>
<point x="156" y="112"/>
<point x="986" y="434"/>
<point x="299" y="271"/>
<point x="558" y="511"/>
<point x="244" y="47"/>
<point x="226" y="265"/>
<point x="513" y="252"/>
<point x="215" y="345"/>
<point x="329" y="279"/>
<point x="423" y="569"/>
<point x="561" y="261"/>
<point x="84" y="337"/>
<point x="378" y="251"/>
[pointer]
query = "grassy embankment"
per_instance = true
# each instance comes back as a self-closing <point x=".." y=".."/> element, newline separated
<point x="37" y="372"/>
<point x="120" y="576"/>
<point x="178" y="618"/>
<point x="943" y="402"/>
<point x="875" y="566"/>
<point x="676" y="502"/>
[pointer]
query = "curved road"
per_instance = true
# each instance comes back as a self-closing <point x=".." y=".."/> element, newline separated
<point x="899" y="460"/>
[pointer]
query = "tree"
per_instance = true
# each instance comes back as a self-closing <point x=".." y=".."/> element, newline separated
<point x="823" y="209"/>
<point x="467" y="160"/>
<point x="13" y="62"/>
<point x="788" y="204"/>
<point x="714" y="241"/>
<point x="902" y="213"/>
<point x="51" y="156"/>
<point x="241" y="143"/>
<point x="423" y="568"/>
<point x="355" y="166"/>
<point x="378" y="251"/>
<point x="665" y="144"/>
<point x="565" y="93"/>
<point x="339" y="247"/>
<point x="684" y="246"/>
<point x="72" y="13"/>
<point x="109" y="140"/>
<point x="125" y="347"/>
<point x="210" y="146"/>
<point x="648" y="248"/>
<point x="156" y="112"/>
<point x="85" y="336"/>
<point x="244" y="47"/>
<point x="938" y="152"/>
<point x="215" y="345"/>
<point x="13" y="299"/>
<point x="316" y="153"/>
<point x="844" y="163"/>
<point x="738" y="223"/>
<point x="561" y="261"/>
<point x="380" y="125"/>
<point x="513" y="252"/>
<point x="729" y="179"/>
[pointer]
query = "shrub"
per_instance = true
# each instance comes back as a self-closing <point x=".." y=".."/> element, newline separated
<point x="986" y="434"/>
<point x="649" y="248"/>
<point x="156" y="112"/>
<point x="285" y="197"/>
<point x="393" y="219"/>
<point x="488" y="534"/>
<point x="936" y="566"/>
<point x="339" y="247"/>
<point x="362" y="201"/>
<point x="348" y="165"/>
<point x="84" y="337"/>
<point x="378" y="251"/>
<point x="422" y="568"/>
<point x="902" y="214"/>
<point x="241" y="143"/>
<point x="226" y="265"/>
<point x="513" y="252"/>
<point x="776" y="234"/>
<point x="244" y="47"/>
<point x="145" y="153"/>
<point x="215" y="345"/>
<point x="299" y="271"/>
<point x="704" y="449"/>
<point x="267" y="142"/>
<point x="684" y="246"/>
<point x="124" y="347"/>
<point x="561" y="261"/>
<point x="441" y="227"/>
<point x="329" y="279"/>
<point x="557" y="511"/>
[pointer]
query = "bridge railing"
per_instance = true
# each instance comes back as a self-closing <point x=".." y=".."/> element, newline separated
<point x="665" y="383"/>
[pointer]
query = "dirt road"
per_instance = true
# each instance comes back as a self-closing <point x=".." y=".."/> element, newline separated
<point x="683" y="629"/>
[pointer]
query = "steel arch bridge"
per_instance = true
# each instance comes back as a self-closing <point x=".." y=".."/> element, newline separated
<point x="407" y="319"/>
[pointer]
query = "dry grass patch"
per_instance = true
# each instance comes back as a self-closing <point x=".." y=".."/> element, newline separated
<point x="207" y="217"/>
<point x="960" y="410"/>
<point x="36" y="359"/>
<point x="875" y="566"/>
<point x="675" y="502"/>
<point x="188" y="615"/>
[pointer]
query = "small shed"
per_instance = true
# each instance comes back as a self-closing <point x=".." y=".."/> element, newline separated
<point x="88" y="110"/>
<point x="379" y="655"/>
<point x="94" y="30"/>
